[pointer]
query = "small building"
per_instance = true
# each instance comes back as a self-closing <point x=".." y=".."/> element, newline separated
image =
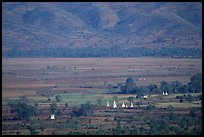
<point x="52" y="116"/>
<point x="145" y="96"/>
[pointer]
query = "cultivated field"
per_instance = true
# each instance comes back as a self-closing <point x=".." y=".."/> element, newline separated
<point x="79" y="80"/>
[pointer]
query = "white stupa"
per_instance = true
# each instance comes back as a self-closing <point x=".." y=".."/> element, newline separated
<point x="114" y="104"/>
<point x="126" y="106"/>
<point x="166" y="93"/>
<point x="123" y="105"/>
<point x="108" y="104"/>
<point x="52" y="116"/>
<point x="131" y="104"/>
<point x="163" y="93"/>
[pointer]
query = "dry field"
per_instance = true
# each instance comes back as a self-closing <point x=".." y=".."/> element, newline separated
<point x="32" y="73"/>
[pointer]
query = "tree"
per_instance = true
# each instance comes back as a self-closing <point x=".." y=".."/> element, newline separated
<point x="164" y="85"/>
<point x="129" y="80"/>
<point x="53" y="108"/>
<point x="129" y="86"/>
<point x="24" y="99"/>
<point x="115" y="98"/>
<point x="32" y="130"/>
<point x="184" y="88"/>
<point x="139" y="95"/>
<point x="84" y="110"/>
<point x="190" y="98"/>
<point x="196" y="83"/>
<point x="175" y="86"/>
<point x="118" y="128"/>
<point x="58" y="98"/>
<point x="130" y="98"/>
<point x="24" y="111"/>
<point x="99" y="101"/>
<point x="143" y="90"/>
<point x="66" y="105"/>
<point x="181" y="100"/>
<point x="152" y="88"/>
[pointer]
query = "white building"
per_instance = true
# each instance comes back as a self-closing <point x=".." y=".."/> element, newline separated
<point x="145" y="96"/>
<point x="52" y="116"/>
<point x="165" y="94"/>
<point x="131" y="104"/>
<point x="123" y="105"/>
<point x="114" y="104"/>
<point x="108" y="104"/>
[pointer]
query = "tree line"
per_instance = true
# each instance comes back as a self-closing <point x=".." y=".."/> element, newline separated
<point x="194" y="86"/>
<point x="174" y="52"/>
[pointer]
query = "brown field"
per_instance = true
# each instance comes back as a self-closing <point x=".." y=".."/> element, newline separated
<point x="32" y="73"/>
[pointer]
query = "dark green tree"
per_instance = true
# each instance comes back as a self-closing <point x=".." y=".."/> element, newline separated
<point x="99" y="101"/>
<point x="175" y="86"/>
<point x="196" y="83"/>
<point x="130" y="98"/>
<point x="129" y="86"/>
<point x="32" y="130"/>
<point x="24" y="111"/>
<point x="53" y="108"/>
<point x="86" y="109"/>
<point x="58" y="98"/>
<point x="66" y="105"/>
<point x="152" y="88"/>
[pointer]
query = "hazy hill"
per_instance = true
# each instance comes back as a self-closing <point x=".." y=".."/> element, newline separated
<point x="28" y="27"/>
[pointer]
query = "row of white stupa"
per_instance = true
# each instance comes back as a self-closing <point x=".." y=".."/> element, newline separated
<point x="165" y="94"/>
<point x="115" y="105"/>
<point x="123" y="105"/>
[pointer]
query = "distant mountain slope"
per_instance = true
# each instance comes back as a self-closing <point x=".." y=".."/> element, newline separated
<point x="30" y="26"/>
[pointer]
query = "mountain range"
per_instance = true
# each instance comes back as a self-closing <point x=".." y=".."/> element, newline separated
<point x="34" y="26"/>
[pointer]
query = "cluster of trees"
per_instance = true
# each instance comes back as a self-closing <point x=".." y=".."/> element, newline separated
<point x="23" y="110"/>
<point x="194" y="86"/>
<point x="86" y="109"/>
<point x="189" y="98"/>
<point x="106" y="52"/>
